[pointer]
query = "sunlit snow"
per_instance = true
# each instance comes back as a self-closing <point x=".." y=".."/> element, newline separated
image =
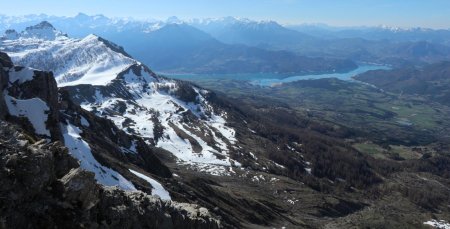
<point x="158" y="189"/>
<point x="80" y="150"/>
<point x="441" y="224"/>
<point x="73" y="61"/>
<point x="35" y="110"/>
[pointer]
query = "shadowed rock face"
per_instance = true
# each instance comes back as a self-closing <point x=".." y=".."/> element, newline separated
<point x="5" y="62"/>
<point x="41" y="186"/>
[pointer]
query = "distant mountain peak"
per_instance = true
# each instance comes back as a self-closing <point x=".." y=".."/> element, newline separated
<point x="81" y="15"/>
<point x="174" y="20"/>
<point x="11" y="34"/>
<point x="44" y="30"/>
<point x="41" y="25"/>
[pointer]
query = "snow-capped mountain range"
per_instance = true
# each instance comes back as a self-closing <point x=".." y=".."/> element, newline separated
<point x="87" y="23"/>
<point x="212" y="46"/>
<point x="176" y="46"/>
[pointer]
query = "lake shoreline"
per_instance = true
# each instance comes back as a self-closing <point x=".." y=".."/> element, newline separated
<point x="269" y="79"/>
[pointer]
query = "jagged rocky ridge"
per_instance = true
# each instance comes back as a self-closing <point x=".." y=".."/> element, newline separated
<point x="42" y="186"/>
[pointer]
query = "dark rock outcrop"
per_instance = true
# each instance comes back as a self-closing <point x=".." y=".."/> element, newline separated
<point x="5" y="61"/>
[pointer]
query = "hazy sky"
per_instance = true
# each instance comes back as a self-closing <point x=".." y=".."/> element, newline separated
<point x="403" y="13"/>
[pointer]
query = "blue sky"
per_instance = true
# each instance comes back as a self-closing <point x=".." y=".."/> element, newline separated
<point x="403" y="13"/>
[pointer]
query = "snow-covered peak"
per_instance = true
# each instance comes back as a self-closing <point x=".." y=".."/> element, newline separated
<point x="91" y="60"/>
<point x="43" y="30"/>
<point x="41" y="26"/>
<point x="90" y="38"/>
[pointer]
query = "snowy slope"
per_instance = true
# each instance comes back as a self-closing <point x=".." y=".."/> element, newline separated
<point x="90" y="60"/>
<point x="204" y="145"/>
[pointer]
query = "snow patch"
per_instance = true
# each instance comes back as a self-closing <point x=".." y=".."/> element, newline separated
<point x="259" y="178"/>
<point x="440" y="224"/>
<point x="308" y="170"/>
<point x="21" y="76"/>
<point x="80" y="150"/>
<point x="132" y="148"/>
<point x="292" y="201"/>
<point x="35" y="110"/>
<point x="157" y="190"/>
<point x="84" y="122"/>
<point x="252" y="155"/>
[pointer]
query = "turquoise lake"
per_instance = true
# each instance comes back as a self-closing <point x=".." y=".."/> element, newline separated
<point x="269" y="79"/>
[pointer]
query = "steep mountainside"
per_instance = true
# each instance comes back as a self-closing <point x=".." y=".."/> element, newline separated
<point x="42" y="186"/>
